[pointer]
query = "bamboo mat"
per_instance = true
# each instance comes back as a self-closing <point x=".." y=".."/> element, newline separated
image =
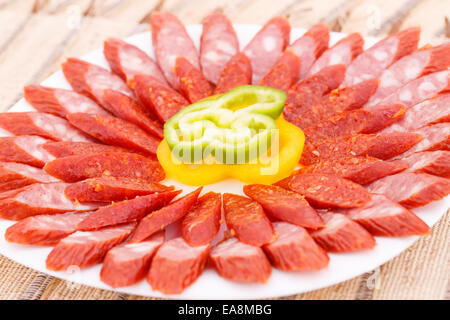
<point x="37" y="35"/>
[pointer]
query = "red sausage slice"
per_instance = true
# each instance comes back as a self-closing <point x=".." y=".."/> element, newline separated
<point x="176" y="266"/>
<point x="237" y="72"/>
<point x="44" y="230"/>
<point x="128" y="264"/>
<point x="284" y="205"/>
<point x="412" y="190"/>
<point x="115" y="131"/>
<point x="61" y="149"/>
<point x="202" y="223"/>
<point x="41" y="124"/>
<point x="217" y="45"/>
<point x="193" y="85"/>
<point x="107" y="189"/>
<point x="341" y="234"/>
<point x="92" y="80"/>
<point x="373" y="61"/>
<point x="127" y="61"/>
<point x="160" y="100"/>
<point x="361" y="170"/>
<point x="410" y="67"/>
<point x="343" y="52"/>
<point x="435" y="137"/>
<point x="284" y="73"/>
<point x="59" y="102"/>
<point x="15" y="175"/>
<point x="247" y="221"/>
<point x="267" y="45"/>
<point x="115" y="164"/>
<point x="310" y="46"/>
<point x="25" y="149"/>
<point x="126" y="211"/>
<point x="324" y="190"/>
<point x="433" y="162"/>
<point x="295" y="250"/>
<point x="170" y="41"/>
<point x="36" y="199"/>
<point x="83" y="249"/>
<point x="161" y="218"/>
<point x="129" y="110"/>
<point x="237" y="261"/>
<point x="386" y="218"/>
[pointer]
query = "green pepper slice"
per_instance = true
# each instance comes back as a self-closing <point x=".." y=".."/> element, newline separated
<point x="233" y="128"/>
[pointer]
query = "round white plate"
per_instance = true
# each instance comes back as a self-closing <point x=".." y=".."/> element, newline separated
<point x="209" y="285"/>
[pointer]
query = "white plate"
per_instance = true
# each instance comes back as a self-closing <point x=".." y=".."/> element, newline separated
<point x="210" y="286"/>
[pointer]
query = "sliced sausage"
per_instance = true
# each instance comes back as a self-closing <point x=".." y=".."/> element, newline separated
<point x="129" y="263"/>
<point x="61" y="149"/>
<point x="176" y="266"/>
<point x="25" y="149"/>
<point x="44" y="230"/>
<point x="284" y="205"/>
<point x="237" y="72"/>
<point x="15" y="175"/>
<point x="193" y="85"/>
<point x="435" y="137"/>
<point x="295" y="250"/>
<point x="115" y="164"/>
<point x="284" y="73"/>
<point x="238" y="261"/>
<point x="433" y="162"/>
<point x="59" y="102"/>
<point x="201" y="224"/>
<point x="83" y="249"/>
<point x="126" y="211"/>
<point x="161" y="218"/>
<point x="247" y="221"/>
<point x="412" y="190"/>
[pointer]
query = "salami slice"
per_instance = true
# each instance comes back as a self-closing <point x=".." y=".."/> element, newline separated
<point x="285" y="205"/>
<point x="61" y="149"/>
<point x="127" y="61"/>
<point x="383" y="146"/>
<point x="311" y="90"/>
<point x="59" y="102"/>
<point x="161" y="218"/>
<point x="353" y="122"/>
<point x="193" y="85"/>
<point x="44" y="230"/>
<point x="84" y="249"/>
<point x="435" y="137"/>
<point x="295" y="250"/>
<point x="247" y="221"/>
<point x="91" y="80"/>
<point x="41" y="124"/>
<point x="326" y="190"/>
<point x="238" y="261"/>
<point x="217" y="45"/>
<point x="237" y="72"/>
<point x="129" y="110"/>
<point x="202" y="223"/>
<point x="160" y="100"/>
<point x="343" y="52"/>
<point x="126" y="211"/>
<point x="176" y="266"/>
<point x="267" y="45"/>
<point x="15" y="175"/>
<point x="341" y="234"/>
<point x="25" y="149"/>
<point x="128" y="264"/>
<point x="107" y="189"/>
<point x="284" y="73"/>
<point x="420" y="89"/>
<point x="386" y="218"/>
<point x="433" y="162"/>
<point x="115" y="164"/>
<point x="170" y="41"/>
<point x="412" y="190"/>
<point x="410" y="67"/>
<point x="115" y="131"/>
<point x="36" y="199"/>
<point x="372" y="62"/>
<point x="310" y="46"/>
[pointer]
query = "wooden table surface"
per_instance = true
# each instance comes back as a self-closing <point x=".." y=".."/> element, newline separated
<point x="37" y="35"/>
